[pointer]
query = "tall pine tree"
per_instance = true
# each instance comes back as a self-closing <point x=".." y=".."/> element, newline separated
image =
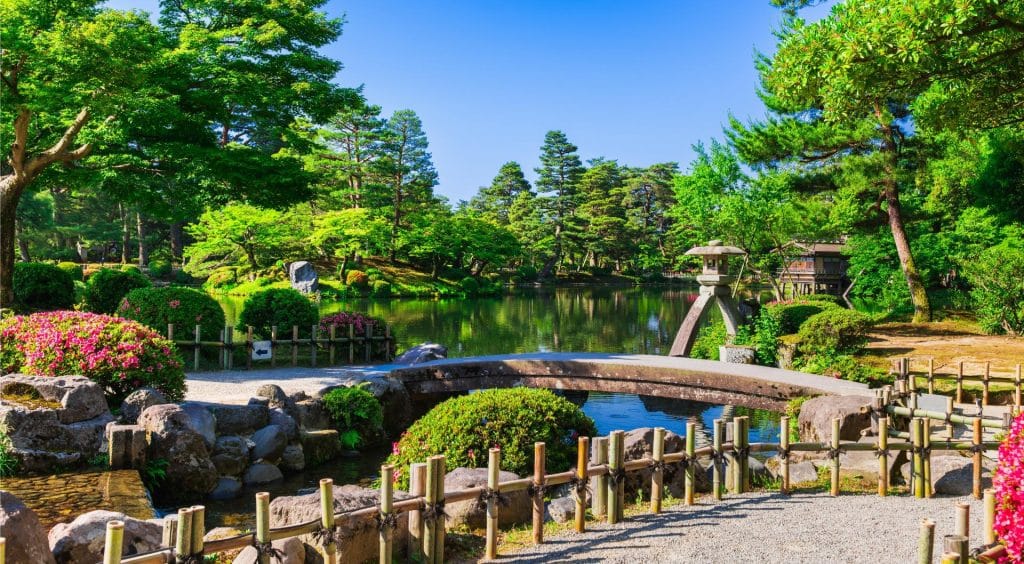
<point x="560" y="173"/>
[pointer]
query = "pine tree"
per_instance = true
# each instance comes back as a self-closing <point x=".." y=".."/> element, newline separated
<point x="495" y="201"/>
<point x="560" y="173"/>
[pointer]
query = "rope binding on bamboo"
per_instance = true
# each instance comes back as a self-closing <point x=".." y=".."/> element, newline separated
<point x="662" y="466"/>
<point x="978" y="551"/>
<point x="833" y="453"/>
<point x="490" y="493"/>
<point x="191" y="559"/>
<point x="386" y="521"/>
<point x="536" y="490"/>
<point x="882" y="452"/>
<point x="581" y="486"/>
<point x="616" y="476"/>
<point x="434" y="511"/>
<point x="324" y="536"/>
<point x="976" y="449"/>
<point x="267" y="549"/>
<point x="742" y="453"/>
<point x="783" y="453"/>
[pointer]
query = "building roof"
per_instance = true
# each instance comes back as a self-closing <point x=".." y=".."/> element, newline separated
<point x="824" y="247"/>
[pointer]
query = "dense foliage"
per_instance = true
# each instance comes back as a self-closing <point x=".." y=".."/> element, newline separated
<point x="997" y="277"/>
<point x="106" y="288"/>
<point x="464" y="428"/>
<point x="356" y="414"/>
<point x="359" y="323"/>
<point x="118" y="354"/>
<point x="183" y="307"/>
<point x="280" y="307"/>
<point x="40" y="286"/>
<point x="836" y="330"/>
<point x="1008" y="482"/>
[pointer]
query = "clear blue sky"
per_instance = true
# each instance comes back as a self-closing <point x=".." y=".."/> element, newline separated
<point x="639" y="82"/>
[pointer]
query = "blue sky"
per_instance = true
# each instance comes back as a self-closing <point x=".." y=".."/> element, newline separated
<point x="639" y="82"/>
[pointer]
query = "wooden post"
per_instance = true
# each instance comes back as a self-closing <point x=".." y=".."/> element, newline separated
<point x="926" y="439"/>
<point x="984" y="383"/>
<point x="784" y="452"/>
<point x="733" y="459"/>
<point x="273" y="346"/>
<point x="330" y="343"/>
<point x="295" y="345"/>
<point x="960" y="382"/>
<point x="262" y="523"/>
<point x="248" y="347"/>
<point x="931" y="375"/>
<point x="962" y="523"/>
<point x="977" y="458"/>
<point x="883" y="457"/>
<point x="328" y="550"/>
<point x="582" y="458"/>
<point x="440" y="461"/>
<point x="538" y="499"/>
<point x="911" y="378"/>
<point x="3" y="550"/>
<point x="351" y="345"/>
<point x="955" y="544"/>
<point x="691" y="461"/>
<point x="716" y="466"/>
<point x="114" y="542"/>
<point x="949" y="424"/>
<point x="368" y="352"/>
<point x="170" y="533"/>
<point x="183" y="538"/>
<point x="385" y="533"/>
<point x="229" y="347"/>
<point x="835" y="456"/>
<point x="601" y="486"/>
<point x="949" y="557"/>
<point x="170" y="332"/>
<point x="418" y="488"/>
<point x="314" y="336"/>
<point x="198" y="528"/>
<point x="926" y="541"/>
<point x="1017" y="387"/>
<point x="195" y="349"/>
<point x="615" y="486"/>
<point x="917" y="466"/>
<point x="658" y="475"/>
<point x="990" y="516"/>
<point x="493" y="469"/>
<point x="387" y="342"/>
<point x="433" y="530"/>
<point x="220" y="350"/>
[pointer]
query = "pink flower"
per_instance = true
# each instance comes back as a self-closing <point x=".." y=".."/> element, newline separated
<point x="173" y="304"/>
<point x="395" y="449"/>
<point x="1008" y="482"/>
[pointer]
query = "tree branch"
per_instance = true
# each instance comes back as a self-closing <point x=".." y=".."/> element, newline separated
<point x="59" y="152"/>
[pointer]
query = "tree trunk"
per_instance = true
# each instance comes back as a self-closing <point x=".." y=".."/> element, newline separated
<point x="140" y="230"/>
<point x="8" y="205"/>
<point x="22" y="243"/>
<point x="177" y="249"/>
<point x="549" y="265"/>
<point x="60" y="204"/>
<point x="126" y="233"/>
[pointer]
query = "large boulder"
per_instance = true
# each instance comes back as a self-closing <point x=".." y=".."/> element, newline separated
<point x="268" y="444"/>
<point x="639" y="443"/>
<point x="952" y="474"/>
<point x="26" y="537"/>
<point x="561" y="509"/>
<point x="421" y="353"/>
<point x="190" y="471"/>
<point x="320" y="446"/>
<point x="312" y="415"/>
<point x="39" y="440"/>
<point x="261" y="473"/>
<point x="230" y="455"/>
<point x="390" y="392"/>
<point x="290" y="551"/>
<point x="286" y="422"/>
<point x="74" y="398"/>
<point x="138" y="401"/>
<point x="293" y="459"/>
<point x="240" y="419"/>
<point x="227" y="487"/>
<point x="357" y="538"/>
<point x="816" y="416"/>
<point x="303" y="277"/>
<point x="473" y="513"/>
<point x="83" y="539"/>
<point x="201" y="420"/>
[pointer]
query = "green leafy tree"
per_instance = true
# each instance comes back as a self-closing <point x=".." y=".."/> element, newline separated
<point x="602" y="215"/>
<point x="557" y="185"/>
<point x="240" y="233"/>
<point x="495" y="201"/>
<point x="346" y="233"/>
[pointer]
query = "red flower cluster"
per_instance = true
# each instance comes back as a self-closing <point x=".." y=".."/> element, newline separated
<point x="1009" y="485"/>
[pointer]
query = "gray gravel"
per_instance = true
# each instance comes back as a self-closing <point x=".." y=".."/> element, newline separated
<point x="760" y="527"/>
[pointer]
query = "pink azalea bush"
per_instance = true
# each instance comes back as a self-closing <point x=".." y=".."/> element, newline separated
<point x="1009" y="485"/>
<point x="118" y="354"/>
<point x="359" y="322"/>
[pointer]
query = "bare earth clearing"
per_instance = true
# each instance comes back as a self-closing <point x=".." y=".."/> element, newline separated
<point x="948" y="342"/>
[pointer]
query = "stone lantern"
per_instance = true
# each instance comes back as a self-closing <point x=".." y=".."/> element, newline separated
<point x="714" y="281"/>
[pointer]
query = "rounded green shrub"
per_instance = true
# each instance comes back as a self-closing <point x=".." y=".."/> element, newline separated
<point x="160" y="269"/>
<point x="39" y="286"/>
<point x="792" y="314"/>
<point x="465" y="427"/>
<point x="374" y="274"/>
<point x="381" y="288"/>
<point x="357" y="278"/>
<point x="281" y="307"/>
<point x="130" y="268"/>
<point x="834" y="330"/>
<point x="222" y="277"/>
<point x="73" y="269"/>
<point x="357" y="415"/>
<point x="184" y="307"/>
<point x="469" y="285"/>
<point x="107" y="287"/>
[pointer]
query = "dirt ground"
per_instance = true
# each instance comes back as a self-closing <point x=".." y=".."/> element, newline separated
<point x="947" y="342"/>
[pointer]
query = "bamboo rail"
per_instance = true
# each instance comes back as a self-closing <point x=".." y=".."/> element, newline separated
<point x="902" y="366"/>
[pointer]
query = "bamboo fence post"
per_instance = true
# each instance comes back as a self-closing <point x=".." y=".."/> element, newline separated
<point x="917" y="466"/>
<point x="368" y="349"/>
<point x="912" y="401"/>
<point x="198" y="528"/>
<point x="977" y="458"/>
<point x="295" y="345"/>
<point x="328" y="550"/>
<point x="538" y="489"/>
<point x="263" y="525"/>
<point x="3" y="550"/>
<point x="330" y="343"/>
<point x="926" y="541"/>
<point x="493" y="468"/>
<point x="1017" y="387"/>
<point x="314" y="336"/>
<point x="417" y="488"/>
<point x="658" y="474"/>
<point x="716" y="458"/>
<point x="931" y="375"/>
<point x="113" y="543"/>
<point x="949" y="557"/>
<point x="960" y="382"/>
<point x="183" y="537"/>
<point x="386" y="531"/>
<point x="229" y="346"/>
<point x="351" y="345"/>
<point x="195" y="349"/>
<point x="733" y="459"/>
<point x="956" y="544"/>
<point x="911" y="378"/>
<point x="962" y="523"/>
<point x="883" y="456"/>
<point x="745" y="458"/>
<point x="220" y="350"/>
<point x="248" y="347"/>
<point x="273" y="346"/>
<point x="440" y="461"/>
<point x="949" y="424"/>
<point x="834" y="453"/>
<point x="691" y="461"/>
<point x="990" y="516"/>
<point x="601" y="486"/>
<point x="926" y="453"/>
<point x="615" y="463"/>
<point x="784" y="452"/>
<point x="387" y="342"/>
<point x="985" y="382"/>
<point x="582" y="457"/>
<point x="170" y="533"/>
<point x="433" y="530"/>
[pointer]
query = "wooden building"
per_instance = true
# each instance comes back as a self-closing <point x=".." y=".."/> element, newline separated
<point x="817" y="268"/>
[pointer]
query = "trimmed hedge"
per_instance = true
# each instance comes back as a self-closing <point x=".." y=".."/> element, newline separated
<point x="73" y="269"/>
<point x="792" y="314"/>
<point x="357" y="278"/>
<point x="469" y="285"/>
<point x="283" y="307"/>
<point x="834" y="330"/>
<point x="184" y="307"/>
<point x="107" y="287"/>
<point x="465" y="427"/>
<point x="40" y="286"/>
<point x="160" y="269"/>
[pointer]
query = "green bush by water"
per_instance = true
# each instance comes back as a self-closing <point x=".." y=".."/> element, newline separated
<point x="356" y="414"/>
<point x="107" y="287"/>
<point x="42" y="287"/>
<point x="283" y="307"/>
<point x="184" y="307"/>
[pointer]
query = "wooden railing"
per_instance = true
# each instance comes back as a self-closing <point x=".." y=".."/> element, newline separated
<point x="426" y="507"/>
<point x="345" y="346"/>
<point x="983" y="375"/>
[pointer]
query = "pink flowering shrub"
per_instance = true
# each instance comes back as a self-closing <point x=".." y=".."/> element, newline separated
<point x="182" y="307"/>
<point x="118" y="354"/>
<point x="1009" y="485"/>
<point x="359" y="322"/>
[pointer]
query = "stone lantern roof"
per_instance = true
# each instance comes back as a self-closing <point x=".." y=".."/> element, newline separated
<point x="715" y="248"/>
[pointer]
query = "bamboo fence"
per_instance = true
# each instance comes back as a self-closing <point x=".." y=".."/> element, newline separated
<point x="426" y="507"/>
<point x="339" y="348"/>
<point x="984" y="375"/>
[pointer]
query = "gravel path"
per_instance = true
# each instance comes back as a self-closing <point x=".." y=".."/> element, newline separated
<point x="237" y="386"/>
<point x="765" y="527"/>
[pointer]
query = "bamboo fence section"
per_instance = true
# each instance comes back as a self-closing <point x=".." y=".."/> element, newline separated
<point x="226" y="345"/>
<point x="902" y="367"/>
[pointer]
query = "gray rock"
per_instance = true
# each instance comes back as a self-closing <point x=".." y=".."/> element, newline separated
<point x="639" y="443"/>
<point x="799" y="472"/>
<point x="274" y="394"/>
<point x="562" y="509"/>
<point x="218" y="533"/>
<point x="39" y="440"/>
<point x="425" y="352"/>
<point x="138" y="401"/>
<point x="286" y="422"/>
<point x="201" y="420"/>
<point x="261" y="473"/>
<point x="816" y="416"/>
<point x="26" y="536"/>
<point x="80" y="398"/>
<point x="320" y="446"/>
<point x="227" y="488"/>
<point x="292" y="551"/>
<point x="230" y="455"/>
<point x="268" y="444"/>
<point x="293" y="459"/>
<point x="165" y="419"/>
<point x="190" y="471"/>
<point x="311" y="414"/>
<point x="303" y="277"/>
<point x="240" y="419"/>
<point x="865" y="463"/>
<point x="736" y="354"/>
<point x="472" y="513"/>
<point x="82" y="540"/>
<point x="951" y="475"/>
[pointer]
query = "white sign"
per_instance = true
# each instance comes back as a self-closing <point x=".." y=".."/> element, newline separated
<point x="260" y="350"/>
